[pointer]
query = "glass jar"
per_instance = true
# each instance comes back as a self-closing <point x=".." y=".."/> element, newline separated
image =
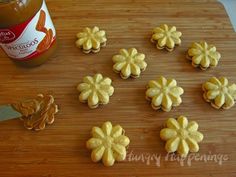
<point x="27" y="33"/>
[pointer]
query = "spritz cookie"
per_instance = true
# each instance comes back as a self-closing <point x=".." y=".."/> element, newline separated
<point x="91" y="39"/>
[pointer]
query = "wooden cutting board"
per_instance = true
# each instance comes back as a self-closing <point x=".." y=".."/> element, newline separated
<point x="60" y="150"/>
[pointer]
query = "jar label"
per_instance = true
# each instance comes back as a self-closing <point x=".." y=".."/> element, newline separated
<point x="31" y="38"/>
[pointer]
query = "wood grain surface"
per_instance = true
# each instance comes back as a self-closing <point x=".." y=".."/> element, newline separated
<point x="59" y="150"/>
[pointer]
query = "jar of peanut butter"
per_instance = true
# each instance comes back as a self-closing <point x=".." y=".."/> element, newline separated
<point x="27" y="33"/>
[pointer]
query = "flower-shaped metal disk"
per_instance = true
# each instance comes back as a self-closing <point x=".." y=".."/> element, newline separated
<point x="219" y="93"/>
<point x="129" y="63"/>
<point x="91" y="40"/>
<point x="95" y="90"/>
<point x="181" y="136"/>
<point x="164" y="93"/>
<point x="108" y="144"/>
<point x="203" y="55"/>
<point x="166" y="37"/>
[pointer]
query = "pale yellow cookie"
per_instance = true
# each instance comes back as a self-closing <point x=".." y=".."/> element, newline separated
<point x="129" y="63"/>
<point x="91" y="40"/>
<point x="108" y="144"/>
<point x="203" y="55"/>
<point x="166" y="37"/>
<point x="181" y="136"/>
<point x="95" y="90"/>
<point x="219" y="92"/>
<point x="164" y="94"/>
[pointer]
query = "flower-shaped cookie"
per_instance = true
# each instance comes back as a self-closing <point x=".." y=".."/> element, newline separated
<point x="129" y="63"/>
<point x="166" y="37"/>
<point x="203" y="55"/>
<point x="108" y="144"/>
<point x="37" y="112"/>
<point x="95" y="90"/>
<point x="164" y="93"/>
<point x="219" y="93"/>
<point x="91" y="39"/>
<point x="181" y="136"/>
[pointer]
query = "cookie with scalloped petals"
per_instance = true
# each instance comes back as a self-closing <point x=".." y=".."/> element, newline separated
<point x="108" y="144"/>
<point x="219" y="92"/>
<point x="203" y="55"/>
<point x="91" y="39"/>
<point x="129" y="63"/>
<point x="166" y="37"/>
<point x="181" y="136"/>
<point x="164" y="93"/>
<point x="95" y="90"/>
